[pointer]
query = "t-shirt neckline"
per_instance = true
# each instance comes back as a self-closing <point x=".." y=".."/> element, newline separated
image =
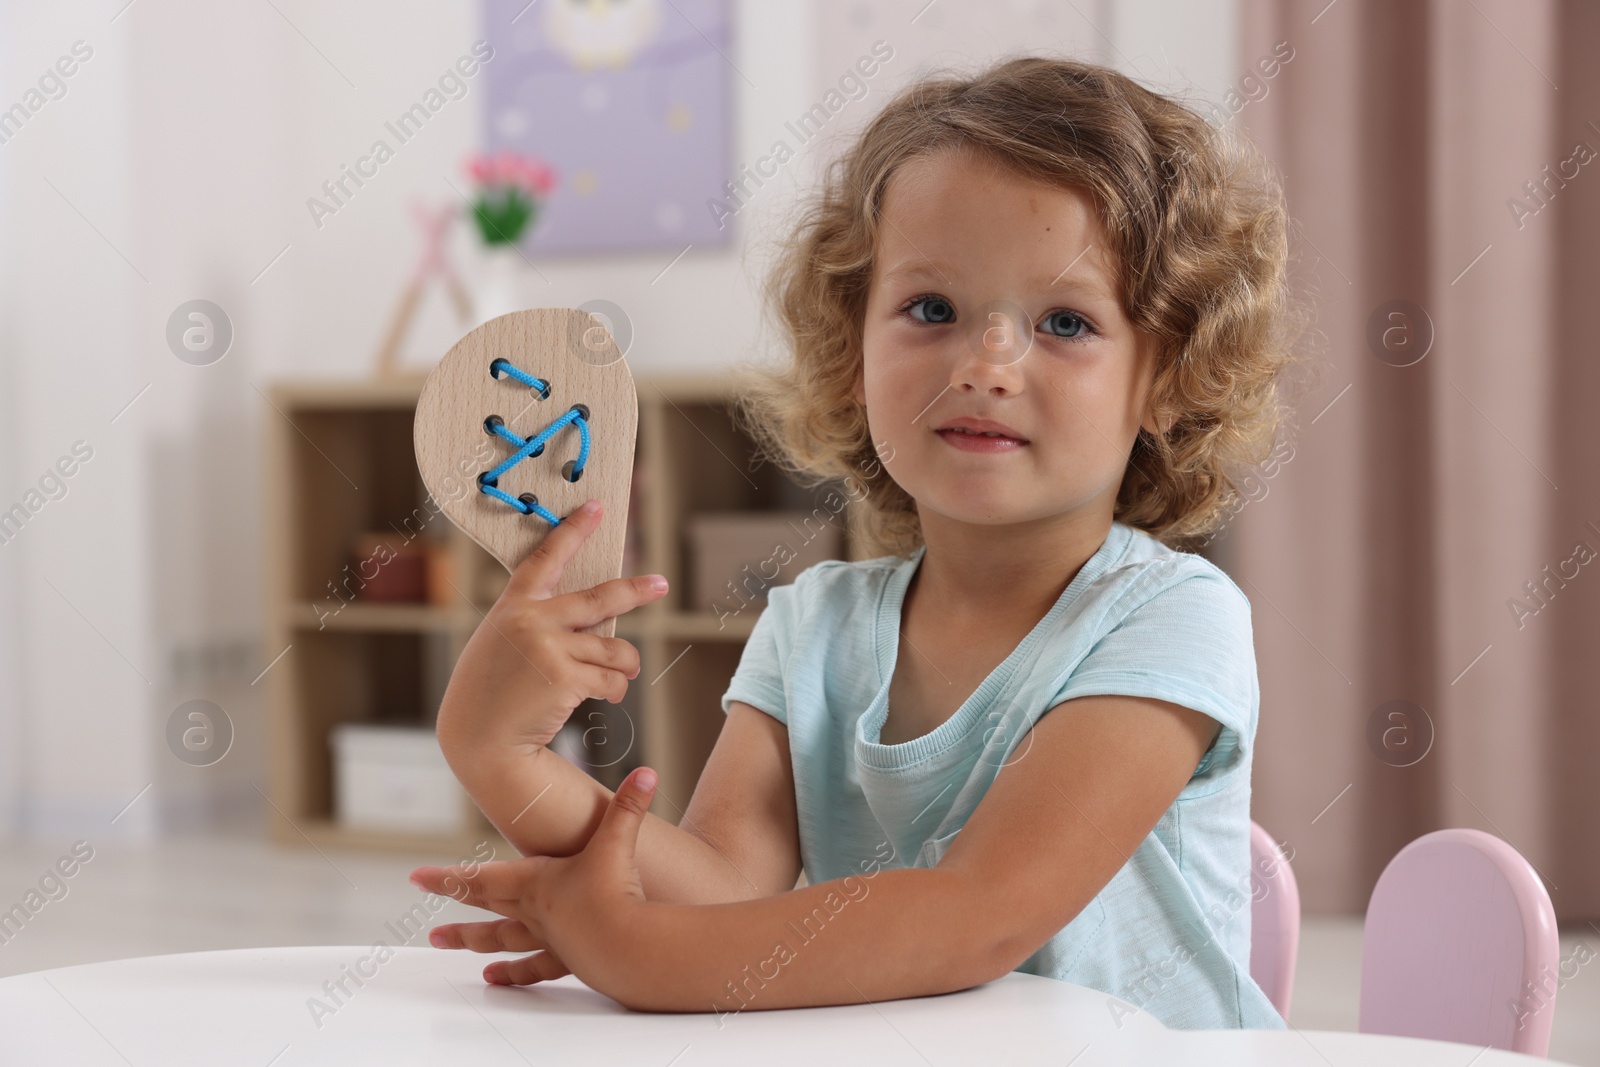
<point x="887" y="633"/>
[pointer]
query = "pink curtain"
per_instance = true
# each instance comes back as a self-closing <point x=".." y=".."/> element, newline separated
<point x="1431" y="552"/>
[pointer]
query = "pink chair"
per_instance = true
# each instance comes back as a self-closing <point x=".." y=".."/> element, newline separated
<point x="1274" y="919"/>
<point x="1460" y="945"/>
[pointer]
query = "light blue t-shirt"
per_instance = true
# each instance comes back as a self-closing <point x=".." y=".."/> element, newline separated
<point x="1170" y="933"/>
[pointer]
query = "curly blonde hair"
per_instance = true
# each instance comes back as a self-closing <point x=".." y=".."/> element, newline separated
<point x="1197" y="225"/>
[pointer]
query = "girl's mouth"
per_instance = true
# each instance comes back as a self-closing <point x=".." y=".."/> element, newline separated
<point x="976" y="442"/>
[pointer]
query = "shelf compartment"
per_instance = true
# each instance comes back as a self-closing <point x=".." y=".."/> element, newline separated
<point x="712" y="469"/>
<point x="377" y="661"/>
<point x="708" y="626"/>
<point x="683" y="721"/>
<point x="449" y="848"/>
<point x="381" y="618"/>
<point x="346" y="676"/>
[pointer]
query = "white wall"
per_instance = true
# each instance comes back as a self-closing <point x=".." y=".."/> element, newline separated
<point x="189" y="144"/>
<point x="75" y="621"/>
<point x="1184" y="47"/>
<point x="190" y="141"/>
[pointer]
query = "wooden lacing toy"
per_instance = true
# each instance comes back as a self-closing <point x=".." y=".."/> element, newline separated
<point x="525" y="418"/>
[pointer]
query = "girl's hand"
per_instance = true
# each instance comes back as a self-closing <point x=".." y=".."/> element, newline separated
<point x="526" y="667"/>
<point x="578" y="906"/>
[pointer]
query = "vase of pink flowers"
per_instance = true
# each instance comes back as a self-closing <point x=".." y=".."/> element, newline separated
<point x="509" y="194"/>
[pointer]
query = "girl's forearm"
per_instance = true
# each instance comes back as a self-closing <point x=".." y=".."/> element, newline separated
<point x="538" y="801"/>
<point x="545" y="806"/>
<point x="896" y="933"/>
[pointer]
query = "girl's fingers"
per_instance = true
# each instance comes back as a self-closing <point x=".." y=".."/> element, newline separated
<point x="495" y="935"/>
<point x="450" y="882"/>
<point x="537" y="575"/>
<point x="584" y="608"/>
<point x="540" y="967"/>
<point x="494" y="886"/>
<point x="604" y="684"/>
<point x="612" y="653"/>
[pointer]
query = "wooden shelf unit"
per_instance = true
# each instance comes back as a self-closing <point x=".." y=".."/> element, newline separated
<point x="340" y="463"/>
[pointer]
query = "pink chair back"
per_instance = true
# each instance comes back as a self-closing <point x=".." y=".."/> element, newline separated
<point x="1274" y="919"/>
<point x="1460" y="945"/>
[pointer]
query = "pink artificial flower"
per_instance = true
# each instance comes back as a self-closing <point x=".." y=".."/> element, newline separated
<point x="541" y="179"/>
<point x="509" y="168"/>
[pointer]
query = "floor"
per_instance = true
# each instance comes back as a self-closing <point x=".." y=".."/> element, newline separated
<point x="196" y="893"/>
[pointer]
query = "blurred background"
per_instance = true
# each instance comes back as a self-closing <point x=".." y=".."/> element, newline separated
<point x="234" y="237"/>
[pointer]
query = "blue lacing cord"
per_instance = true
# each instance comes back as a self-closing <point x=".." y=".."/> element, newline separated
<point x="500" y="366"/>
<point x="527" y="503"/>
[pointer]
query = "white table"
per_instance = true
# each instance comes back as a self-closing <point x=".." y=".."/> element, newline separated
<point x="249" y="1007"/>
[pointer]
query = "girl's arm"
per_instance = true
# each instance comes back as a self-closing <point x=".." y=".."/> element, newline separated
<point x="1095" y="776"/>
<point x="524" y="670"/>
<point x="738" y="839"/>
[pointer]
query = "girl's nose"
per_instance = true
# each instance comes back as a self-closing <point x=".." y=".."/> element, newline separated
<point x="993" y="349"/>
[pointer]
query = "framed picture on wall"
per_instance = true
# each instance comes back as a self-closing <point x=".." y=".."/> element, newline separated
<point x="629" y="101"/>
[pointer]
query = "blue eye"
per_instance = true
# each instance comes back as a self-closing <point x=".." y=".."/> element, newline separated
<point x="1059" y="323"/>
<point x="936" y="310"/>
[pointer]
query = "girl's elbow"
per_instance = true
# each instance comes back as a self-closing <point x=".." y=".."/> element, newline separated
<point x="983" y="959"/>
<point x="987" y="950"/>
<point x="646" y="999"/>
<point x="959" y="971"/>
<point x="1010" y="951"/>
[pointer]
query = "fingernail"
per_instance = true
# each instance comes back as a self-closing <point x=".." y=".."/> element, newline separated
<point x="590" y="507"/>
<point x="645" y="780"/>
<point x="658" y="582"/>
<point x="416" y="880"/>
<point x="436" y="939"/>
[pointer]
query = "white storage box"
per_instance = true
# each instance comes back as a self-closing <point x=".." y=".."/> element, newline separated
<point x="395" y="778"/>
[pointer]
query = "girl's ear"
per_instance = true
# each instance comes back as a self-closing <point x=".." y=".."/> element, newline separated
<point x="1156" y="423"/>
<point x="1157" y="427"/>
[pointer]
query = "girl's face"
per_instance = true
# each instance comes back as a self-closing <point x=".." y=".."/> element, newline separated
<point x="992" y="298"/>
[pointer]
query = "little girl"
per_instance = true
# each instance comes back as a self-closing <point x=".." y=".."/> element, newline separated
<point x="1039" y="321"/>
